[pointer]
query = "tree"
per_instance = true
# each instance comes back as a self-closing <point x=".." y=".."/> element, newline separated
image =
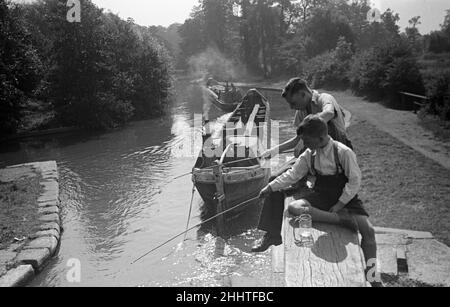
<point x="439" y="41"/>
<point x="218" y="15"/>
<point x="377" y="33"/>
<point x="413" y="34"/>
<point x="307" y="7"/>
<point x="102" y="69"/>
<point x="445" y="27"/>
<point x="193" y="39"/>
<point x="169" y="38"/>
<point x="20" y="67"/>
<point x="323" y="31"/>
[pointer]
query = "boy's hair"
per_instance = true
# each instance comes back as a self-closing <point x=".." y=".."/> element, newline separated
<point x="313" y="126"/>
<point x="295" y="85"/>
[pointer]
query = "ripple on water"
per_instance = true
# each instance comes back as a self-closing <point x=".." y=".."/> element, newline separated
<point x="215" y="262"/>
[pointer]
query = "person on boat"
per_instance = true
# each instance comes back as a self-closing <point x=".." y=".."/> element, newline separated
<point x="211" y="82"/>
<point x="334" y="198"/>
<point x="306" y="101"/>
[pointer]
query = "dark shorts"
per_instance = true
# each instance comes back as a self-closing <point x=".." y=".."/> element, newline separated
<point x="322" y="202"/>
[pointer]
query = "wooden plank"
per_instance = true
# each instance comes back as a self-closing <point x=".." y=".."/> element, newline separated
<point x="414" y="95"/>
<point x="221" y="200"/>
<point x="335" y="260"/>
<point x="391" y="239"/>
<point x="410" y="234"/>
<point x="278" y="259"/>
<point x="251" y="121"/>
<point x="387" y="260"/>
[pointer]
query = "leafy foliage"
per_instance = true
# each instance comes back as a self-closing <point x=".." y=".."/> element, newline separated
<point x="330" y="69"/>
<point x="383" y="71"/>
<point x="20" y="67"/>
<point x="438" y="90"/>
<point x="97" y="74"/>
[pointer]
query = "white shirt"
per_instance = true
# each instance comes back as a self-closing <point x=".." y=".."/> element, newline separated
<point x="323" y="103"/>
<point x="325" y="165"/>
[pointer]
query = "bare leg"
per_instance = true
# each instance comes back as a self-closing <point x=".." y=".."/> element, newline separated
<point x="368" y="243"/>
<point x="302" y="206"/>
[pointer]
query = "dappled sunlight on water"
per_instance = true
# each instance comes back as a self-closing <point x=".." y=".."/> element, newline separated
<point x="215" y="262"/>
<point x="120" y="200"/>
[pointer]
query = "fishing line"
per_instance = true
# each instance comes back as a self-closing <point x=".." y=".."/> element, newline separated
<point x="193" y="227"/>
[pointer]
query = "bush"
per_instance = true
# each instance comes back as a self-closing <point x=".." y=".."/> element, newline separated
<point x="383" y="71"/>
<point x="437" y="84"/>
<point x="366" y="73"/>
<point x="152" y="79"/>
<point x="291" y="55"/>
<point x="438" y="42"/>
<point x="403" y="74"/>
<point x="330" y="68"/>
<point x="20" y="67"/>
<point x="103" y="111"/>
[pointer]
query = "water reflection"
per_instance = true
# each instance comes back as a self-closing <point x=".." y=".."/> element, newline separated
<point x="120" y="201"/>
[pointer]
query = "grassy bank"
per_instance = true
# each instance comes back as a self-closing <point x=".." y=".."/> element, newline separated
<point x="18" y="210"/>
<point x="401" y="187"/>
<point x="439" y="127"/>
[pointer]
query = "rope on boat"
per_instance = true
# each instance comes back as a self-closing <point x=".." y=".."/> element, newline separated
<point x="193" y="227"/>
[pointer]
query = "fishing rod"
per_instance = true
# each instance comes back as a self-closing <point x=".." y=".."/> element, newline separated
<point x="193" y="227"/>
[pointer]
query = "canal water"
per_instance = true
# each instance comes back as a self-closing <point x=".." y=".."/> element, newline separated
<point x="119" y="200"/>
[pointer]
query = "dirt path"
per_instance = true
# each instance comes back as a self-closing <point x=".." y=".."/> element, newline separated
<point x="403" y="125"/>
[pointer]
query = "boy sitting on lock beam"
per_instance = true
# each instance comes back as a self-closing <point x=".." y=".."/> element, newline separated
<point x="334" y="198"/>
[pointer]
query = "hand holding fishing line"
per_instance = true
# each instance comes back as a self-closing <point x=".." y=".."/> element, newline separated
<point x="265" y="193"/>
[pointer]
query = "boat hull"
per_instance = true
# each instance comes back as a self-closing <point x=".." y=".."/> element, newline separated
<point x="229" y="105"/>
<point x="239" y="186"/>
<point x="227" y="174"/>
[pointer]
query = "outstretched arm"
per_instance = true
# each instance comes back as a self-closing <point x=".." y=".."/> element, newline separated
<point x="292" y="176"/>
<point x="291" y="144"/>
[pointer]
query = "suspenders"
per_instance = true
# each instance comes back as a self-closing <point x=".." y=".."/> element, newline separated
<point x="339" y="168"/>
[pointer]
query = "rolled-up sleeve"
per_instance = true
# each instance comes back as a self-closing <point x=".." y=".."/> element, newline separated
<point x="292" y="176"/>
<point x="328" y="107"/>
<point x="353" y="173"/>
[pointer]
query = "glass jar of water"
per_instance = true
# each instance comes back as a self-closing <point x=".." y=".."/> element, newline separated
<point x="305" y="236"/>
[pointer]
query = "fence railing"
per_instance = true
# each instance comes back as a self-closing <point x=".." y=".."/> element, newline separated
<point x="414" y="101"/>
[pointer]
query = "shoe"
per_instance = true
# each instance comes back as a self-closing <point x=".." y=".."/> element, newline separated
<point x="377" y="284"/>
<point x="348" y="221"/>
<point x="266" y="242"/>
